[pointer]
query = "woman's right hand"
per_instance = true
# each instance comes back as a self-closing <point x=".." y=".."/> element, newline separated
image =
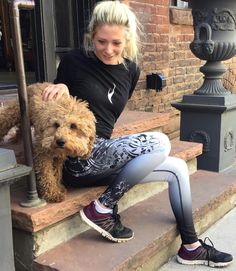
<point x="55" y="91"/>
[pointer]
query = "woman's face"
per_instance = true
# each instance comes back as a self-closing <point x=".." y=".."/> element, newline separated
<point x="109" y="43"/>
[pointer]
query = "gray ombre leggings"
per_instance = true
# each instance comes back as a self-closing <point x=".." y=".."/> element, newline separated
<point x="123" y="162"/>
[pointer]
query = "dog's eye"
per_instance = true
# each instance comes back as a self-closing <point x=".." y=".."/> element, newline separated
<point x="56" y="125"/>
<point x="73" y="126"/>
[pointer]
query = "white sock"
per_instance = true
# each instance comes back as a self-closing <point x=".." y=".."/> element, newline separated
<point x="102" y="210"/>
<point x="191" y="249"/>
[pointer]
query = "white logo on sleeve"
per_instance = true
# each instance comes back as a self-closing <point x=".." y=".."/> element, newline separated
<point x="111" y="92"/>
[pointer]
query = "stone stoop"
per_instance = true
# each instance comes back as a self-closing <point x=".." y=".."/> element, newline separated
<point x="156" y="237"/>
<point x="41" y="229"/>
<point x="37" y="230"/>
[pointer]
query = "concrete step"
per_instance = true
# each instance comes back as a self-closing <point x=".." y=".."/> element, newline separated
<point x="41" y="229"/>
<point x="156" y="238"/>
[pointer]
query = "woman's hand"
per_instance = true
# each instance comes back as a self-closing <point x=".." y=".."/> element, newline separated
<point x="55" y="91"/>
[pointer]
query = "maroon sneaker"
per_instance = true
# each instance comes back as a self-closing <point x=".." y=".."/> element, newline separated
<point x="204" y="255"/>
<point x="108" y="225"/>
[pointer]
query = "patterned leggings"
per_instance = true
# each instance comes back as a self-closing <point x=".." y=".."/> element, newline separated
<point x="123" y="162"/>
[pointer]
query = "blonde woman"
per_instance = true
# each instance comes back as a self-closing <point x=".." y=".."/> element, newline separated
<point x="105" y="74"/>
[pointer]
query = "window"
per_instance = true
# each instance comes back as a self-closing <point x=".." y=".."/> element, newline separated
<point x="179" y="3"/>
<point x="71" y="21"/>
<point x="65" y="22"/>
<point x="85" y="8"/>
<point x="60" y="30"/>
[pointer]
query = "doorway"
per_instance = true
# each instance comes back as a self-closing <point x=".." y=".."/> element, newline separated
<point x="53" y="28"/>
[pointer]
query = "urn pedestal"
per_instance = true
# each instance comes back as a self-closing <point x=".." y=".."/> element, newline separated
<point x="208" y="116"/>
<point x="210" y="121"/>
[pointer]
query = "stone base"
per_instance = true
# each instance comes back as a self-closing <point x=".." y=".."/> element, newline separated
<point x="6" y="255"/>
<point x="210" y="120"/>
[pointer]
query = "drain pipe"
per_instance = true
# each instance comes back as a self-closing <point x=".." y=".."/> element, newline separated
<point x="32" y="195"/>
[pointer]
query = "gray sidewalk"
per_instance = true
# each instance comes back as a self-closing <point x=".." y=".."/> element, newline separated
<point x="223" y="235"/>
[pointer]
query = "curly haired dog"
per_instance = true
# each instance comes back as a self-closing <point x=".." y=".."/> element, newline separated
<point x="62" y="128"/>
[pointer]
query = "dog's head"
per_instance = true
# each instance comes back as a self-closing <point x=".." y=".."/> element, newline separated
<point x="66" y="128"/>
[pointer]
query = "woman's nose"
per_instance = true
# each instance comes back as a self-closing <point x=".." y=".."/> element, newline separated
<point x="109" y="48"/>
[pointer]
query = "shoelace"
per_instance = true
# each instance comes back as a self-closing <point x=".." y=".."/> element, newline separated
<point x="116" y="217"/>
<point x="205" y="240"/>
<point x="209" y="248"/>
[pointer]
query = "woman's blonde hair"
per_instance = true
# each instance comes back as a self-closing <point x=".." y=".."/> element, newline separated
<point x="115" y="13"/>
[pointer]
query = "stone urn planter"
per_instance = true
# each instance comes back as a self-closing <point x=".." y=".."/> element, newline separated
<point x="208" y="115"/>
<point x="214" y="23"/>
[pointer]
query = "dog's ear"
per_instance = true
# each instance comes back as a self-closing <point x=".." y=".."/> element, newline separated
<point x="89" y="129"/>
<point x="90" y="146"/>
<point x="87" y="123"/>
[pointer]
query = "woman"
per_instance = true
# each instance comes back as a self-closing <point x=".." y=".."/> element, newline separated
<point x="105" y="74"/>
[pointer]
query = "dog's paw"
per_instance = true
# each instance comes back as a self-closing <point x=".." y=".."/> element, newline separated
<point x="62" y="189"/>
<point x="59" y="197"/>
<point x="55" y="197"/>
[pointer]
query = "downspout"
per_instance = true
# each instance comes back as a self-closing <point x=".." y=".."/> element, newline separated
<point x="32" y="195"/>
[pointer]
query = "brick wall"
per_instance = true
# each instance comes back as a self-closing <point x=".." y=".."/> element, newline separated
<point x="167" y="33"/>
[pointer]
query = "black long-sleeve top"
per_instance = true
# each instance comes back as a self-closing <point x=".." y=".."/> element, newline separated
<point x="106" y="88"/>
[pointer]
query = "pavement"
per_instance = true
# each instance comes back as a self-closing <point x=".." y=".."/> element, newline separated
<point x="223" y="236"/>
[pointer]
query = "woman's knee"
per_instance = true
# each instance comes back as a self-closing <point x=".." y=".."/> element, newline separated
<point x="178" y="165"/>
<point x="163" y="142"/>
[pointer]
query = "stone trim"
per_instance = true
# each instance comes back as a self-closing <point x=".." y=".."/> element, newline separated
<point x="180" y="16"/>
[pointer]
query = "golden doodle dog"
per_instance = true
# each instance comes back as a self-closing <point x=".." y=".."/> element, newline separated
<point x="62" y="128"/>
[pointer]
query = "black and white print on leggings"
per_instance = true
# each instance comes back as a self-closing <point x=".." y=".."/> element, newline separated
<point x="110" y="155"/>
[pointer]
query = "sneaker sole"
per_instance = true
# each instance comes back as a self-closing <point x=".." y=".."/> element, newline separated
<point x="103" y="232"/>
<point x="202" y="262"/>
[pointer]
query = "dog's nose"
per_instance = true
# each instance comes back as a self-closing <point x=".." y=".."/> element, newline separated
<point x="60" y="142"/>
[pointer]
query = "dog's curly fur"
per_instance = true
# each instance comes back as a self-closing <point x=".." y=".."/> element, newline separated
<point x="62" y="128"/>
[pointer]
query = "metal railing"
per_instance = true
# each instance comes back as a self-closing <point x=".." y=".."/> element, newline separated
<point x="15" y="5"/>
